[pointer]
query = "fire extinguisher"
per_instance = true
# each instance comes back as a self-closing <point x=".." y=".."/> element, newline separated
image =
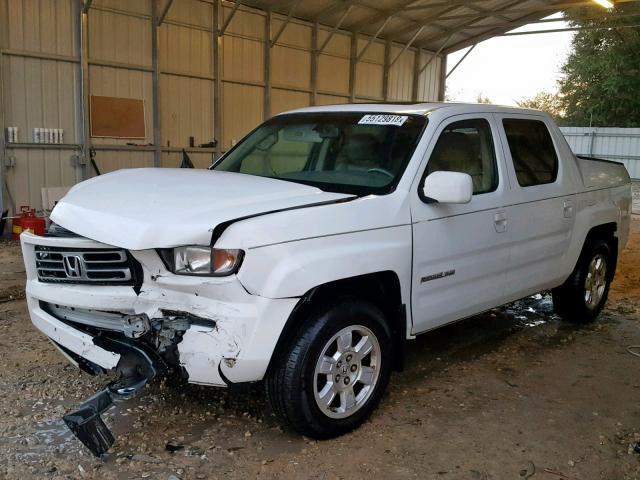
<point x="28" y="221"/>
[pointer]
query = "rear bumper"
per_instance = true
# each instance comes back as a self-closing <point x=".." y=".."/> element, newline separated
<point x="234" y="346"/>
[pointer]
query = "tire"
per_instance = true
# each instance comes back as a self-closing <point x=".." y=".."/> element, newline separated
<point x="581" y="298"/>
<point x="299" y="386"/>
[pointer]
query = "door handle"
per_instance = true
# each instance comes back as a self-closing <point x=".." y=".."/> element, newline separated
<point x="568" y="209"/>
<point x="500" y="222"/>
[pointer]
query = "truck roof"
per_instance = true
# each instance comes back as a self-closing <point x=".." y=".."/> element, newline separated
<point x="415" y="108"/>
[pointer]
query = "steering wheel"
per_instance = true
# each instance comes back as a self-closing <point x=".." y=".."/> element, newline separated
<point x="383" y="171"/>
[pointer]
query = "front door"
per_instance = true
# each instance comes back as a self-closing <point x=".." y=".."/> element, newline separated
<point x="461" y="251"/>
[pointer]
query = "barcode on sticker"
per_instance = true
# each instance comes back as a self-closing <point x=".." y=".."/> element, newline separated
<point x="397" y="120"/>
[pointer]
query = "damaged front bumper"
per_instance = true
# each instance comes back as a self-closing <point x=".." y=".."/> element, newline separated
<point x="212" y="328"/>
<point x="137" y="367"/>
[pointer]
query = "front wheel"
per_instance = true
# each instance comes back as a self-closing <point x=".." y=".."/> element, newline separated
<point x="581" y="298"/>
<point x="332" y="375"/>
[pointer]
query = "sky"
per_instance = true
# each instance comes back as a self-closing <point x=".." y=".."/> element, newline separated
<point x="508" y="69"/>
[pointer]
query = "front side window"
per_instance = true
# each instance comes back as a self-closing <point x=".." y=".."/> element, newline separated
<point x="467" y="147"/>
<point x="346" y="152"/>
<point x="534" y="156"/>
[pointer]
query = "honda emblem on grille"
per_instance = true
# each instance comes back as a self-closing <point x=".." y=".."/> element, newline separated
<point x="73" y="266"/>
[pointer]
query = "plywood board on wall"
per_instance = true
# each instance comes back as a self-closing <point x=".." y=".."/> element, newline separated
<point x="117" y="117"/>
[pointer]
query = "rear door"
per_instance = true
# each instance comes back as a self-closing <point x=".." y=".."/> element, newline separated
<point x="460" y="252"/>
<point x="541" y="211"/>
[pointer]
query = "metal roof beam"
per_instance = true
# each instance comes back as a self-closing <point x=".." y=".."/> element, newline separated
<point x="550" y="7"/>
<point x="164" y="12"/>
<point x="460" y="61"/>
<point x="547" y="20"/>
<point x="435" y="55"/>
<point x="568" y="29"/>
<point x="334" y="30"/>
<point x="335" y="7"/>
<point x="488" y="13"/>
<point x="411" y="22"/>
<point x="382" y="15"/>
<point x="227" y="21"/>
<point x="459" y="3"/>
<point x="292" y="8"/>
<point x="462" y="26"/>
<point x="428" y="21"/>
<point x="493" y="32"/>
<point x="372" y="39"/>
<point x="407" y="45"/>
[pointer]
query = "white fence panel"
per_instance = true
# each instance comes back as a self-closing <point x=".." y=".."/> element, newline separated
<point x="619" y="144"/>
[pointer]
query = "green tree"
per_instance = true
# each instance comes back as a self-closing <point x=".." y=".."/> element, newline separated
<point x="482" y="99"/>
<point x="551" y="103"/>
<point x="601" y="78"/>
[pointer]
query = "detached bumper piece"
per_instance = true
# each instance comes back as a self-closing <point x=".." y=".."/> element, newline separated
<point x="87" y="425"/>
<point x="136" y="367"/>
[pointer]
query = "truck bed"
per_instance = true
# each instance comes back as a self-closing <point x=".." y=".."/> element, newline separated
<point x="599" y="173"/>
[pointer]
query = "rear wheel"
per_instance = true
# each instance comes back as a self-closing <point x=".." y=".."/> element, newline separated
<point x="581" y="298"/>
<point x="332" y="374"/>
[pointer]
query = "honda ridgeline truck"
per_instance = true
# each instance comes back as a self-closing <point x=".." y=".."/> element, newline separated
<point x="309" y="253"/>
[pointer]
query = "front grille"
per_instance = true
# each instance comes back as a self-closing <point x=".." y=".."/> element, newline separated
<point x="103" y="266"/>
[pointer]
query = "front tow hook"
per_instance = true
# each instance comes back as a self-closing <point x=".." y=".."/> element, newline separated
<point x="136" y="367"/>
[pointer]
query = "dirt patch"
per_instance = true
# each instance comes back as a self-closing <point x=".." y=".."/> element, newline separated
<point x="512" y="394"/>
<point x="11" y="269"/>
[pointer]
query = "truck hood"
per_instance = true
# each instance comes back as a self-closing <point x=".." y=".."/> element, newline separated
<point x="146" y="208"/>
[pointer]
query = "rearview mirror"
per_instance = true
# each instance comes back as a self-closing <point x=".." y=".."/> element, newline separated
<point x="448" y="187"/>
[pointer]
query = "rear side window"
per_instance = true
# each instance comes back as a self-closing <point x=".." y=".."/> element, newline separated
<point x="534" y="156"/>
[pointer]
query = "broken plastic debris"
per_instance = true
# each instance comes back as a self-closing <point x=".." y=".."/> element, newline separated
<point x="173" y="446"/>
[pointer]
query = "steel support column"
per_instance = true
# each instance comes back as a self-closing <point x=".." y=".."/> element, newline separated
<point x="314" y="64"/>
<point x="85" y="132"/>
<point x="217" y="74"/>
<point x="267" y="65"/>
<point x="3" y="151"/>
<point x="386" y="68"/>
<point x="416" y="75"/>
<point x="155" y="86"/>
<point x="353" y="67"/>
<point x="443" y="79"/>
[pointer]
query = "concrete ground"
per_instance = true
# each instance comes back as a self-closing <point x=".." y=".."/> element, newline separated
<point x="511" y="394"/>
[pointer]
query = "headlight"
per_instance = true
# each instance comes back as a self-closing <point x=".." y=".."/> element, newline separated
<point x="205" y="261"/>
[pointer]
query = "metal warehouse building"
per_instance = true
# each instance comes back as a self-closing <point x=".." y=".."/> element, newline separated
<point x="210" y="69"/>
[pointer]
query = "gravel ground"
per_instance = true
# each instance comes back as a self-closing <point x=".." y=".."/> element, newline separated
<point x="511" y="394"/>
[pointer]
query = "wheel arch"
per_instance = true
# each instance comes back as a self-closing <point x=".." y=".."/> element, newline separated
<point x="606" y="232"/>
<point x="382" y="289"/>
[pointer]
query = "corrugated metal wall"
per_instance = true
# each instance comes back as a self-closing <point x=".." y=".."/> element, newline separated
<point x="41" y="80"/>
<point x="619" y="144"/>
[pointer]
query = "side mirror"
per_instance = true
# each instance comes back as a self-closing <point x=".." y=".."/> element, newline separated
<point x="448" y="187"/>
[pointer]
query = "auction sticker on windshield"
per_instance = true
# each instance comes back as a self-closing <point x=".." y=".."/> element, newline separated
<point x="397" y="120"/>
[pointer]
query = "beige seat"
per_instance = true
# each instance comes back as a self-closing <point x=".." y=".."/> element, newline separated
<point x="360" y="152"/>
<point x="455" y="153"/>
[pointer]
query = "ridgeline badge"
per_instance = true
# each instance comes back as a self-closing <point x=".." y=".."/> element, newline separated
<point x="435" y="276"/>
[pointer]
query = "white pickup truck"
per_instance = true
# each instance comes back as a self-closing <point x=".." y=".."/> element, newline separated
<point x="313" y="250"/>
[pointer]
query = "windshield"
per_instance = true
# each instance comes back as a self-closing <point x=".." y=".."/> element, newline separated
<point x="345" y="152"/>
